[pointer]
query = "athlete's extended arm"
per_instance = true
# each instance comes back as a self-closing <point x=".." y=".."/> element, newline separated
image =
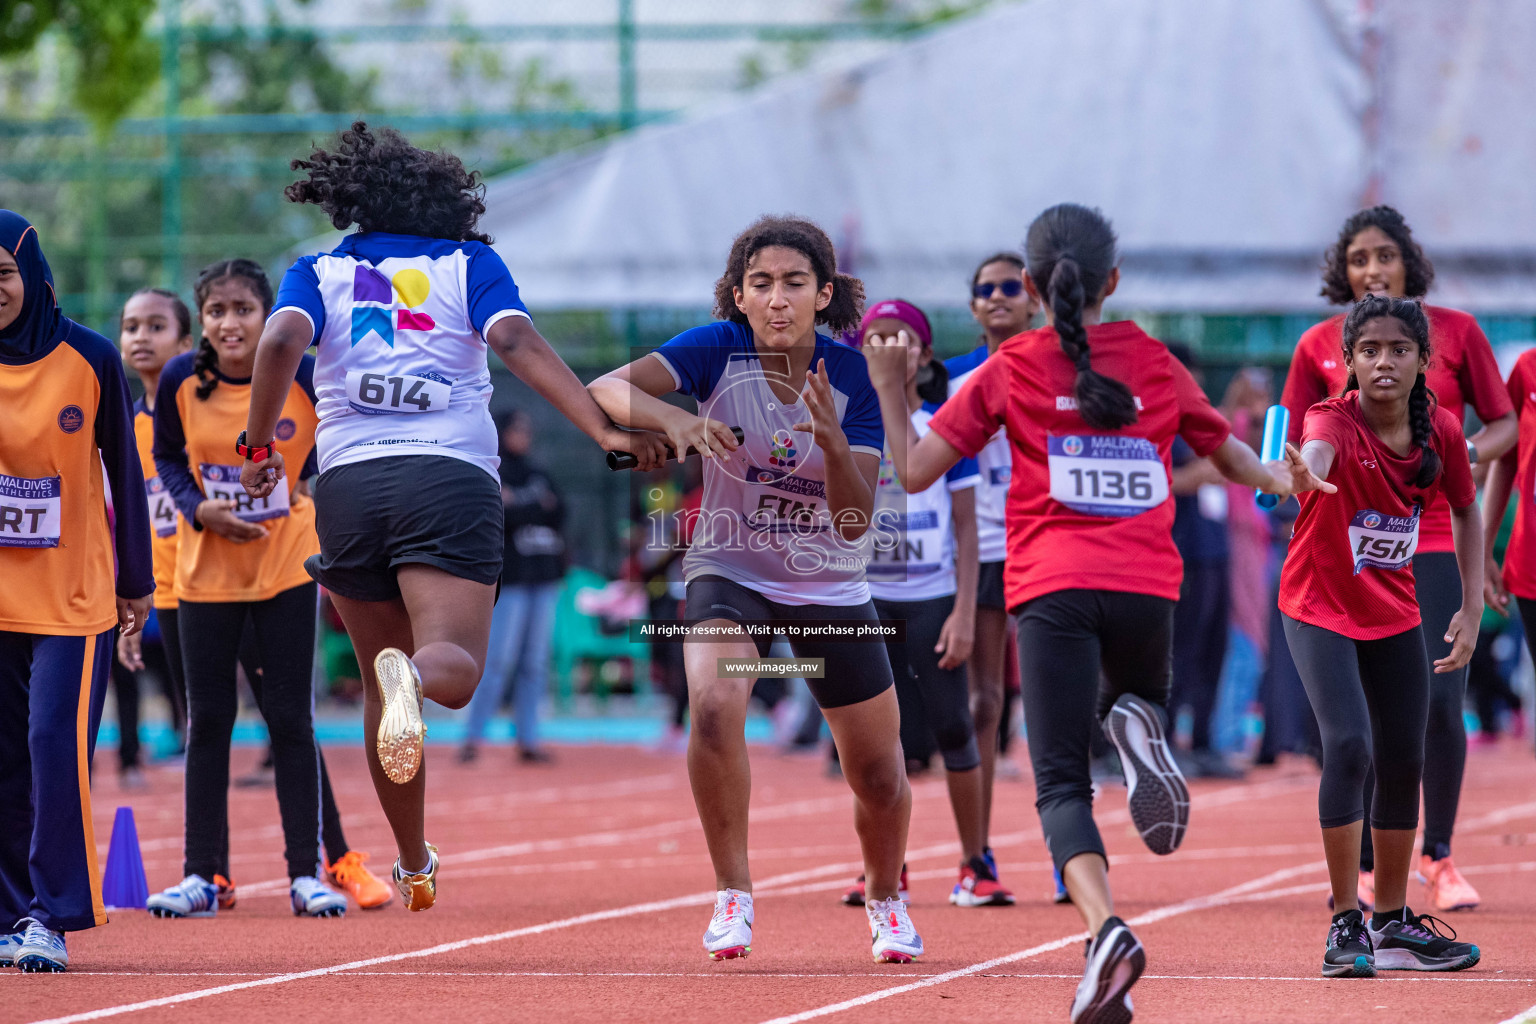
<point x="1501" y="480"/>
<point x="1294" y="474"/>
<point x="278" y="354"/>
<point x="1461" y="634"/>
<point x="850" y="476"/>
<point x="519" y="344"/>
<point x="631" y="396"/>
<point x="918" y="462"/>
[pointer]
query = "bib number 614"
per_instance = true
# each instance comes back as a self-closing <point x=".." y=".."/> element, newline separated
<point x="378" y="392"/>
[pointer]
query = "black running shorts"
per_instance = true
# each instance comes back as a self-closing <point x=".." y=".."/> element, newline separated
<point x="855" y="670"/>
<point x="989" y="586"/>
<point x="378" y="515"/>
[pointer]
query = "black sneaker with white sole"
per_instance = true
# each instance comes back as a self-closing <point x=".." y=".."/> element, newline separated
<point x="1115" y="961"/>
<point x="1348" y="954"/>
<point x="1415" y="942"/>
<point x="1156" y="792"/>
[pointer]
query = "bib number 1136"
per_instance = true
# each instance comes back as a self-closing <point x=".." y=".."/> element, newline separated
<point x="392" y="393"/>
<point x="1106" y="475"/>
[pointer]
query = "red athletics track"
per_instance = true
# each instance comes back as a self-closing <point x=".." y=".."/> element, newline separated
<point x="579" y="892"/>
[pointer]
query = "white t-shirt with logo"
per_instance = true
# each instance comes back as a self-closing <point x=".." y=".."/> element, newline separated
<point x="994" y="463"/>
<point x="399" y="327"/>
<point x="913" y="557"/>
<point x="764" y="522"/>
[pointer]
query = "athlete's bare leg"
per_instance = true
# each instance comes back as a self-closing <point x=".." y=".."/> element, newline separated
<point x="986" y="678"/>
<point x="452" y="619"/>
<point x="868" y="741"/>
<point x="1087" y="879"/>
<point x="718" y="768"/>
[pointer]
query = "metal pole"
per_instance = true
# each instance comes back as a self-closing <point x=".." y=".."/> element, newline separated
<point x="628" y="84"/>
<point x="170" y="181"/>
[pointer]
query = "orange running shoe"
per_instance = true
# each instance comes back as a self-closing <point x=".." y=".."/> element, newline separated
<point x="226" y="892"/>
<point x="1447" y="888"/>
<point x="349" y="875"/>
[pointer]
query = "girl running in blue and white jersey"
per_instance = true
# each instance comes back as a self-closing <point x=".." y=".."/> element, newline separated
<point x="778" y="537"/>
<point x="408" y="500"/>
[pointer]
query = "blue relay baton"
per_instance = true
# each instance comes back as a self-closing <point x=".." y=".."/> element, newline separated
<point x="1277" y="425"/>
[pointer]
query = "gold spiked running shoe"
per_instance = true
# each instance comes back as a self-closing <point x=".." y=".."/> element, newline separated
<point x="401" y="730"/>
<point x="418" y="891"/>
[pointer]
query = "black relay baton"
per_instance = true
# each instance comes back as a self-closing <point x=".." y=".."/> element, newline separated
<point x="624" y="460"/>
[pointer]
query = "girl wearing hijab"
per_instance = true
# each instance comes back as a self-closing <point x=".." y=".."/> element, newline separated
<point x="64" y="413"/>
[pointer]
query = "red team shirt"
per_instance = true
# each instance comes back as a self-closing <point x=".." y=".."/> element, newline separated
<point x="1461" y="370"/>
<point x="1520" y="556"/>
<point x="1350" y="565"/>
<point x="1087" y="508"/>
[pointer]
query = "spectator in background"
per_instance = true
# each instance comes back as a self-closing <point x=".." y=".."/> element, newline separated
<point x="523" y="621"/>
<point x="1201" y="616"/>
<point x="1248" y="396"/>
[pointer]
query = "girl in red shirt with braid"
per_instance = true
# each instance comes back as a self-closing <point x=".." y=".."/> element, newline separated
<point x="1352" y="621"/>
<point x="1091" y="575"/>
<point x="1376" y="254"/>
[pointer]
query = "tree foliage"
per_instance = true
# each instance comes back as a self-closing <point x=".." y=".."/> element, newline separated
<point x="115" y="65"/>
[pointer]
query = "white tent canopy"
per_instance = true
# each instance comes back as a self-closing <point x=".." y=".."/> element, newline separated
<point x="1226" y="139"/>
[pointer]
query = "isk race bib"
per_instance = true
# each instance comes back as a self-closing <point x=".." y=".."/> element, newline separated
<point x="222" y="483"/>
<point x="30" y="512"/>
<point x="1378" y="541"/>
<point x="162" y="508"/>
<point x="379" y="394"/>
<point x="1106" y="474"/>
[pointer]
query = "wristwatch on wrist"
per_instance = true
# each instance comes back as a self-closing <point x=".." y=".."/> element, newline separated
<point x="1471" y="452"/>
<point x="253" y="452"/>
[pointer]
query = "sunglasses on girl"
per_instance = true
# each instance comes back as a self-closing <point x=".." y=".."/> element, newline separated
<point x="1011" y="289"/>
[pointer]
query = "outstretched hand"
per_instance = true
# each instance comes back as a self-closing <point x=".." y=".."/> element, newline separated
<point x="817" y="396"/>
<point x="887" y="359"/>
<point x="1292" y="475"/>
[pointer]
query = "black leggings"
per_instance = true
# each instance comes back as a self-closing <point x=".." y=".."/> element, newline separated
<point x="940" y="697"/>
<point x="331" y="833"/>
<point x="163" y="660"/>
<point x="1371" y="698"/>
<point x="1079" y="651"/>
<point x="285" y="638"/>
<point x="1437" y="582"/>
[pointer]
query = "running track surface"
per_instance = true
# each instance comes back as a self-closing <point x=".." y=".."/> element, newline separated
<point x="579" y="891"/>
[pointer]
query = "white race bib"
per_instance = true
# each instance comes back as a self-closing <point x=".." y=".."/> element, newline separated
<point x="1106" y="474"/>
<point x="1378" y="541"/>
<point x="30" y="512"/>
<point x="222" y="483"/>
<point x="162" y="508"/>
<point x="382" y="394"/>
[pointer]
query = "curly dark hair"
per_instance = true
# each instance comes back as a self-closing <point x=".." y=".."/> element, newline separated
<point x="1419" y="271"/>
<point x="380" y="182"/>
<point x="1421" y="400"/>
<point x="797" y="233"/>
<point x="205" y="362"/>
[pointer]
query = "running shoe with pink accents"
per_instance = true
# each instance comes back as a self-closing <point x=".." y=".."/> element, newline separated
<point x="1448" y="890"/>
<point x="979" y="887"/>
<point x="892" y="939"/>
<point x="729" y="934"/>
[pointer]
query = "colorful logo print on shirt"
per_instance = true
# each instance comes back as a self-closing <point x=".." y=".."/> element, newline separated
<point x="783" y="454"/>
<point x="374" y="303"/>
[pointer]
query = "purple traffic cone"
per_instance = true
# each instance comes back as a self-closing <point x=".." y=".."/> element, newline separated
<point x="123" y="885"/>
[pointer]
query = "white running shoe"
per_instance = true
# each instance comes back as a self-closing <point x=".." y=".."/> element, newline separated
<point x="193" y="896"/>
<point x="42" y="949"/>
<point x="312" y="898"/>
<point x="892" y="939"/>
<point x="9" y="944"/>
<point x="1156" y="793"/>
<point x="729" y="934"/>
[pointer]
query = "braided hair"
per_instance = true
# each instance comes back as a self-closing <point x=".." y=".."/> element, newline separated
<point x="1070" y="251"/>
<point x="1421" y="400"/>
<point x="206" y="362"/>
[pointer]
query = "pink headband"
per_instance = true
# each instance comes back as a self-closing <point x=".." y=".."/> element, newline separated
<point x="897" y="309"/>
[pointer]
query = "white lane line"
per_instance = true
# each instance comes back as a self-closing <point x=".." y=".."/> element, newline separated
<point x="1247" y="889"/>
<point x="1523" y="1017"/>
